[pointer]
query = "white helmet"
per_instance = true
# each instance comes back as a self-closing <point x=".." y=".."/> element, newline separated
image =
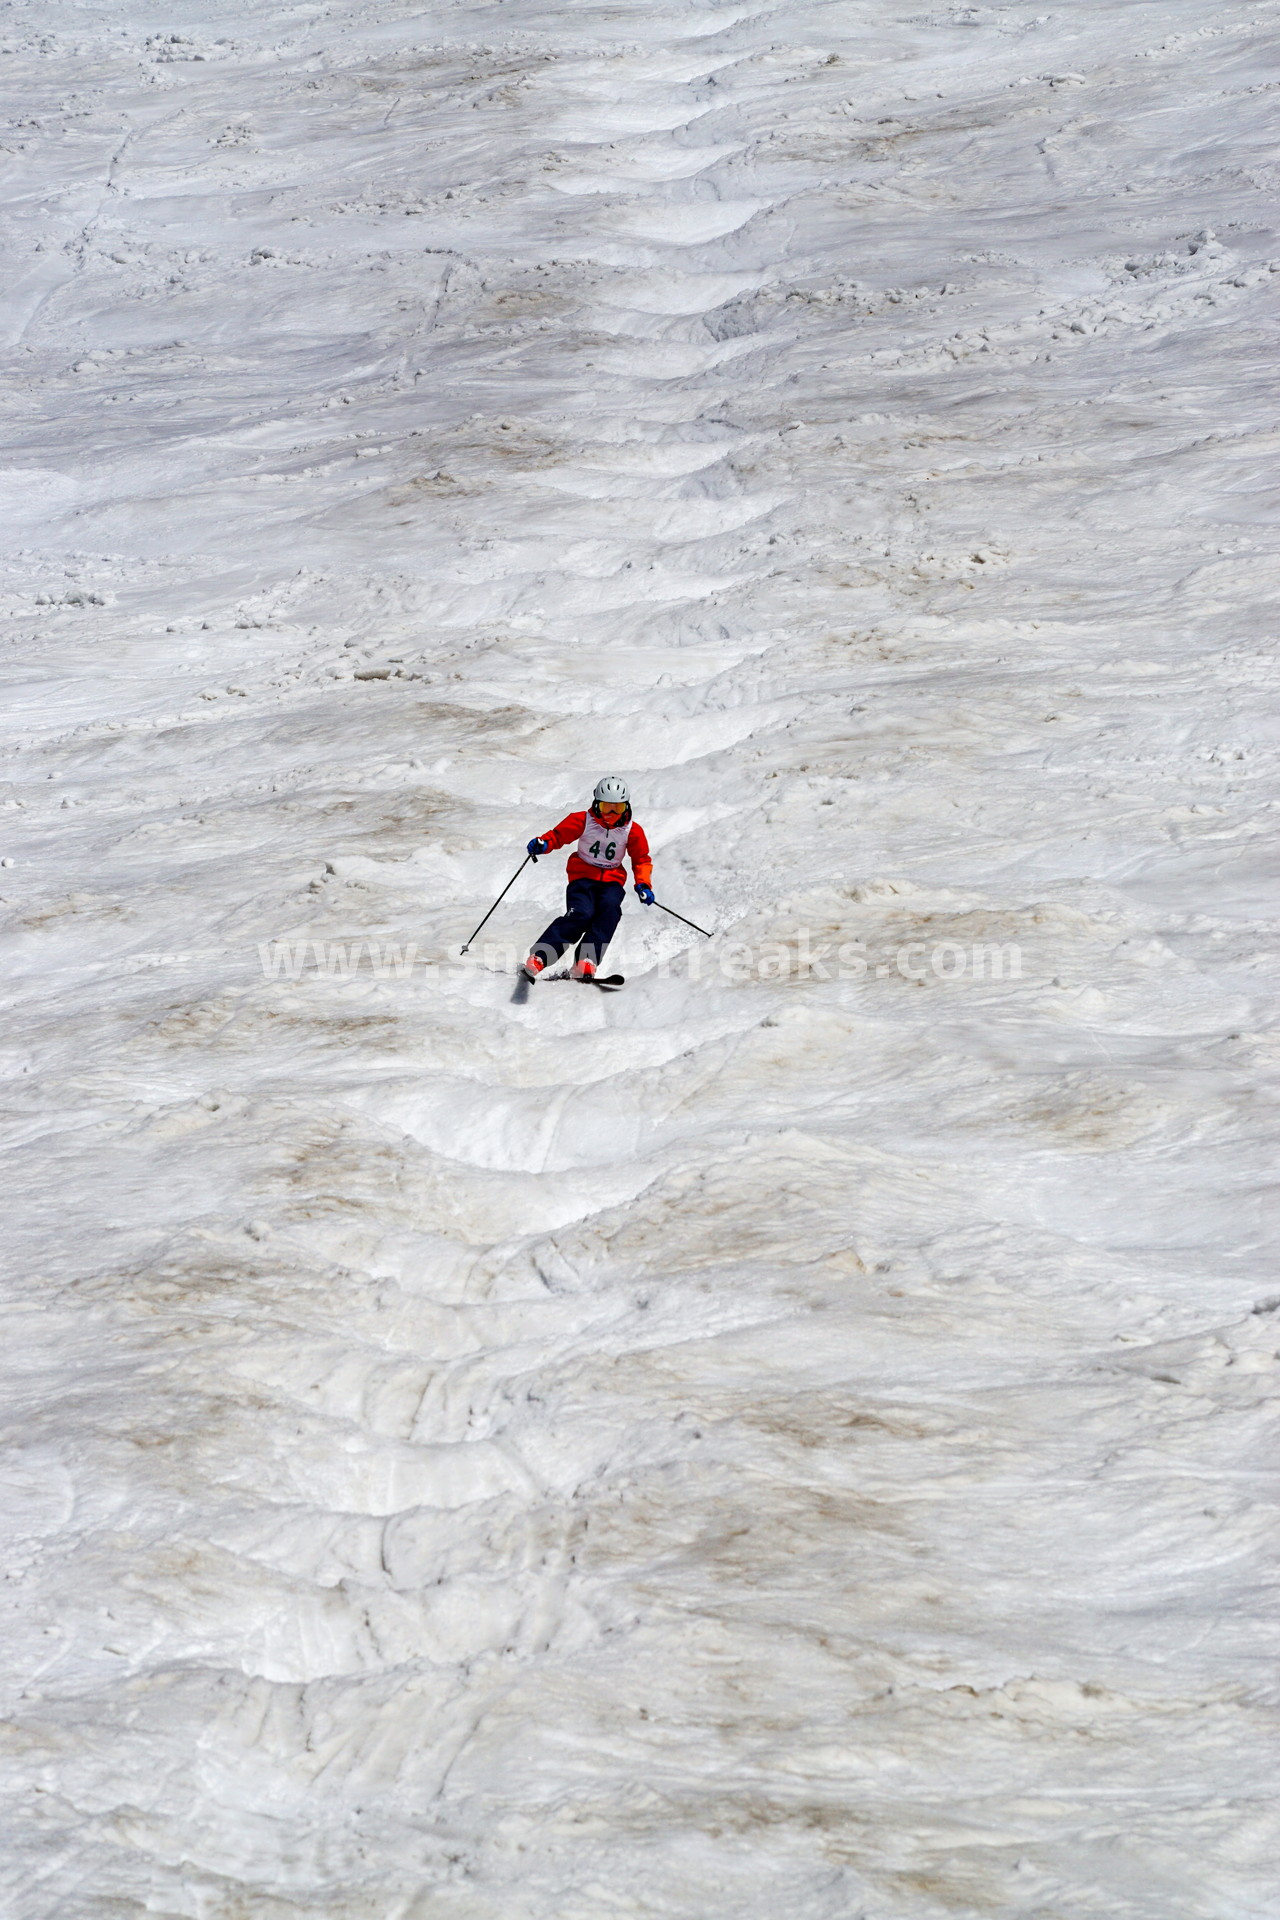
<point x="611" y="792"/>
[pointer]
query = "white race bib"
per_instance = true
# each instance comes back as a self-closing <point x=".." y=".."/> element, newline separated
<point x="602" y="846"/>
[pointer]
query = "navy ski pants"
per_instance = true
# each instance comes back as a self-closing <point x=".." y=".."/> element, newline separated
<point x="592" y="909"/>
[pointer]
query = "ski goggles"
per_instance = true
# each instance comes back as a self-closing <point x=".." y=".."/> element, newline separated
<point x="610" y="814"/>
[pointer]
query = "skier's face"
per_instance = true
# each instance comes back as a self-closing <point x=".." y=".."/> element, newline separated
<point x="610" y="814"/>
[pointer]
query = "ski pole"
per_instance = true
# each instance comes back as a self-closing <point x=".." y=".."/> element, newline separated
<point x="677" y="916"/>
<point x="502" y="896"/>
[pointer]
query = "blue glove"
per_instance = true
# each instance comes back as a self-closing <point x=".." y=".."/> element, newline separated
<point x="644" y="893"/>
<point x="536" y="847"/>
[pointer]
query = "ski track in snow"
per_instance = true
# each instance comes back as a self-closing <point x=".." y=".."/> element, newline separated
<point x="736" y="1448"/>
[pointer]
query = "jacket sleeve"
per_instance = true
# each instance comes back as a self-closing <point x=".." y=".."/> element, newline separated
<point x="638" y="849"/>
<point x="570" y="828"/>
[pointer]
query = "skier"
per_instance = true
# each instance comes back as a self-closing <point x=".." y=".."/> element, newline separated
<point x="597" y="878"/>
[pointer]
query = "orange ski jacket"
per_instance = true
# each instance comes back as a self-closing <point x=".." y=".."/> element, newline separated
<point x="575" y="826"/>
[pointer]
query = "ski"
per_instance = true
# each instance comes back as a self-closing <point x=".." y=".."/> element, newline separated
<point x="610" y="982"/>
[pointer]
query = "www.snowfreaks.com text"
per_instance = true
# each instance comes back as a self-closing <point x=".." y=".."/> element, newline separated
<point x="738" y="961"/>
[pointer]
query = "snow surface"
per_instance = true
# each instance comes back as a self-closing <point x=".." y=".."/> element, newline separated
<point x="741" y="1449"/>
